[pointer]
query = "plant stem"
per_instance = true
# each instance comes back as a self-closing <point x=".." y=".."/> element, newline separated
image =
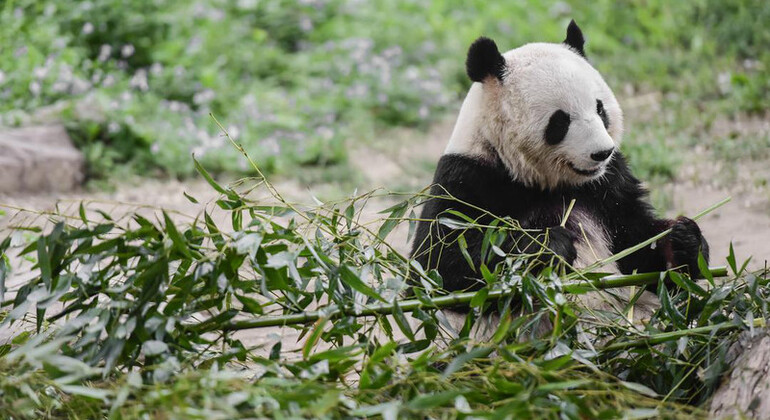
<point x="450" y="300"/>
<point x="674" y="335"/>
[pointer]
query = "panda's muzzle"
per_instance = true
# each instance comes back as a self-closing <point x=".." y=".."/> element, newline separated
<point x="585" y="172"/>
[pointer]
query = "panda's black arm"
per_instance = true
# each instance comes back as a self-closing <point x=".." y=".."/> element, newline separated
<point x="466" y="185"/>
<point x="436" y="245"/>
<point x="631" y="220"/>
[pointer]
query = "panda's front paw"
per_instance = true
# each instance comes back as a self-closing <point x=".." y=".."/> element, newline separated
<point x="561" y="242"/>
<point x="686" y="242"/>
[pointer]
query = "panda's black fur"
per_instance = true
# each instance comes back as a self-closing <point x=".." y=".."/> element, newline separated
<point x="616" y="201"/>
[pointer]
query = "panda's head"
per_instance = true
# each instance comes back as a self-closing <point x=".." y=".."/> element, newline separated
<point x="542" y="109"/>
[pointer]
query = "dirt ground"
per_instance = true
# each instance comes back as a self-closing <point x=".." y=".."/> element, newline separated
<point x="403" y="161"/>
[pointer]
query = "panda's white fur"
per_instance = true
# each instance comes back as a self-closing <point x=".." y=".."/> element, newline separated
<point x="511" y="115"/>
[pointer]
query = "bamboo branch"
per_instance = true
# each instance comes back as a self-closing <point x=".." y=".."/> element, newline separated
<point x="450" y="300"/>
<point x="654" y="339"/>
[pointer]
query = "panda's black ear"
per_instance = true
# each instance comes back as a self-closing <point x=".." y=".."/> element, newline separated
<point x="575" y="38"/>
<point x="484" y="60"/>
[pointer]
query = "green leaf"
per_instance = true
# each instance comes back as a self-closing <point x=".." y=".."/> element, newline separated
<point x="82" y="212"/>
<point x="154" y="347"/>
<point x="462" y="359"/>
<point x="312" y="339"/>
<point x="464" y="250"/>
<point x="179" y="243"/>
<point x="3" y="275"/>
<point x="636" y="387"/>
<point x="669" y="309"/>
<point x="704" y="269"/>
<point x="87" y="392"/>
<point x="189" y="197"/>
<point x="731" y="260"/>
<point x="205" y="174"/>
<point x="350" y="212"/>
<point x="428" y="401"/>
<point x="502" y="330"/>
<point x="393" y="220"/>
<point x="275" y="352"/>
<point x="351" y="279"/>
<point x="402" y="322"/>
<point x="383" y="351"/>
<point x="43" y="260"/>
<point x="686" y="283"/>
<point x="563" y="385"/>
<point x="479" y="298"/>
<point x="487" y="275"/>
<point x="250" y="305"/>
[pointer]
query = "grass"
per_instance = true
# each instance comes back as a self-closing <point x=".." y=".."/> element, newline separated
<point x="299" y="83"/>
<point x="135" y="316"/>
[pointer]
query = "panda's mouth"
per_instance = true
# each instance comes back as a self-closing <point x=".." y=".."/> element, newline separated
<point x="584" y="172"/>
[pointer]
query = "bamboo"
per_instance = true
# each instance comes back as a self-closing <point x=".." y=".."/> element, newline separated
<point x="450" y="300"/>
<point x="654" y="339"/>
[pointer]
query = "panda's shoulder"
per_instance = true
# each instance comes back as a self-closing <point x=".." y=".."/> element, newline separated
<point x="460" y="169"/>
<point x="471" y="176"/>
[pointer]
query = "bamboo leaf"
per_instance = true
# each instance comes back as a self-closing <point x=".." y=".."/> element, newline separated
<point x="402" y="322"/>
<point x="351" y="279"/>
<point x="312" y="339"/>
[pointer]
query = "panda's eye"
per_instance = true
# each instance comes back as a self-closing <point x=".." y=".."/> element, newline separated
<point x="602" y="113"/>
<point x="557" y="128"/>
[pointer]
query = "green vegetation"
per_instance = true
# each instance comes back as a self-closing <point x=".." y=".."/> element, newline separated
<point x="139" y="317"/>
<point x="299" y="81"/>
<point x="147" y="315"/>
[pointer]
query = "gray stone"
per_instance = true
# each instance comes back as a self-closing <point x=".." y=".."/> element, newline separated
<point x="745" y="391"/>
<point x="39" y="159"/>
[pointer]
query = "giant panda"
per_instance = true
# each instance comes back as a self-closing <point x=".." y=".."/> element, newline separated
<point x="539" y="128"/>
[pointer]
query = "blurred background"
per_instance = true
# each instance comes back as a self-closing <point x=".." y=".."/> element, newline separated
<point x="334" y="95"/>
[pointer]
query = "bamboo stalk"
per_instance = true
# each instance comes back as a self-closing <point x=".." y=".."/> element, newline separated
<point x="631" y="250"/>
<point x="454" y="299"/>
<point x="654" y="339"/>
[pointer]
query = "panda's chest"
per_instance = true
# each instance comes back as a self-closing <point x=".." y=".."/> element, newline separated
<point x="584" y="220"/>
<point x="593" y="243"/>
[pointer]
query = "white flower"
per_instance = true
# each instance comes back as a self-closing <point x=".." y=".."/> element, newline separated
<point x="198" y="151"/>
<point x="40" y="72"/>
<point x="108" y="81"/>
<point x="104" y="52"/>
<point x="35" y="88"/>
<point x="203" y="97"/>
<point x="247" y="4"/>
<point x="305" y="24"/>
<point x="423" y="112"/>
<point x="234" y="132"/>
<point x="127" y="50"/>
<point x="156" y="69"/>
<point x="88" y="28"/>
<point x="139" y="80"/>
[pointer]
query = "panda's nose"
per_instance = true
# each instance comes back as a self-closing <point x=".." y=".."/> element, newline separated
<point x="602" y="156"/>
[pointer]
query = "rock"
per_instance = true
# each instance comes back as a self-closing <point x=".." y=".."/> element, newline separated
<point x="745" y="390"/>
<point x="39" y="159"/>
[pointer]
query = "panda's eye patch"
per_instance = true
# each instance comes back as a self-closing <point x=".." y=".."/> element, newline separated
<point x="557" y="128"/>
<point x="602" y="113"/>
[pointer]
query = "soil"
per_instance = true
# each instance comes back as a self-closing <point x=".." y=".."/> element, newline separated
<point x="403" y="160"/>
